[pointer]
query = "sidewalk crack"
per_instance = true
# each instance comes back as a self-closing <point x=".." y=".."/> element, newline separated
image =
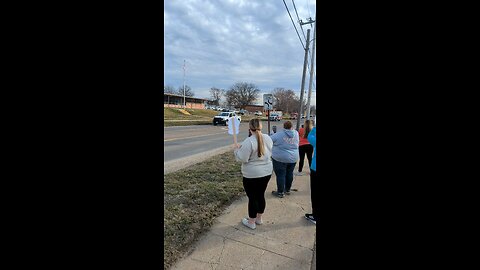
<point x="302" y="262"/>
<point x="221" y="253"/>
<point x="260" y="236"/>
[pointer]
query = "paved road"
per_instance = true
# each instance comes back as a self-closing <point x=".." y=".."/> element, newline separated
<point x="183" y="141"/>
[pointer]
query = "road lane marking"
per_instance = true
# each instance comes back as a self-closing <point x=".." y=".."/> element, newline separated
<point x="168" y="140"/>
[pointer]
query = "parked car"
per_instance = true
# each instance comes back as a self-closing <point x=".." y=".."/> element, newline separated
<point x="243" y="112"/>
<point x="258" y="113"/>
<point x="222" y="118"/>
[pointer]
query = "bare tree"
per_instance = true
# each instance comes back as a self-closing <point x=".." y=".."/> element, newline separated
<point x="216" y="95"/>
<point x="188" y="91"/>
<point x="169" y="89"/>
<point x="285" y="100"/>
<point x="242" y="94"/>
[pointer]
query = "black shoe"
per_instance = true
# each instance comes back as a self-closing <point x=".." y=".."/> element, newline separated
<point x="288" y="192"/>
<point x="280" y="195"/>
<point x="310" y="218"/>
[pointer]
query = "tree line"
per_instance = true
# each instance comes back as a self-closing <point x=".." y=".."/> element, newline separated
<point x="171" y="90"/>
<point x="241" y="94"/>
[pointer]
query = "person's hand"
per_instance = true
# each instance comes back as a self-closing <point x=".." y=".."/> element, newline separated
<point x="236" y="146"/>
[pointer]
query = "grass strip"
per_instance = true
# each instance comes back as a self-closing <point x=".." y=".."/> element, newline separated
<point x="186" y="123"/>
<point x="174" y="113"/>
<point x="193" y="198"/>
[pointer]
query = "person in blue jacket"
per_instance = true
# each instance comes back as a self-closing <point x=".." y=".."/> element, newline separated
<point x="312" y="139"/>
<point x="284" y="157"/>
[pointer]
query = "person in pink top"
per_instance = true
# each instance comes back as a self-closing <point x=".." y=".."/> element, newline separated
<point x="305" y="147"/>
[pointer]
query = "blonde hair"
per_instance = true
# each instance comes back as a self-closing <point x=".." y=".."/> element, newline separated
<point x="256" y="126"/>
<point x="308" y="127"/>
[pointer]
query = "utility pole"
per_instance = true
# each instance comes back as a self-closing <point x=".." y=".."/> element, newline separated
<point x="303" y="81"/>
<point x="184" y="103"/>
<point x="311" y="71"/>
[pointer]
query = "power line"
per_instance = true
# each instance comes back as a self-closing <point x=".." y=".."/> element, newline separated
<point x="308" y="8"/>
<point x="293" y="2"/>
<point x="294" y="24"/>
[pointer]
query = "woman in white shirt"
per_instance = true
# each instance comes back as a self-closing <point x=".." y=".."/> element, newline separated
<point x="255" y="153"/>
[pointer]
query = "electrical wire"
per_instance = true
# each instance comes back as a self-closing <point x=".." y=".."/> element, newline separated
<point x="308" y="8"/>
<point x="293" y="2"/>
<point x="294" y="24"/>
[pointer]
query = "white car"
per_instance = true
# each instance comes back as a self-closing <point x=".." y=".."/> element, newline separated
<point x="274" y="117"/>
<point x="258" y="113"/>
<point x="222" y="118"/>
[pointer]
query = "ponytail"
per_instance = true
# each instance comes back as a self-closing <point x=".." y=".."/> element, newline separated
<point x="260" y="147"/>
<point x="256" y="126"/>
<point x="308" y="128"/>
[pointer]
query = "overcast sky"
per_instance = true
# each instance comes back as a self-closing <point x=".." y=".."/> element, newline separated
<point x="229" y="41"/>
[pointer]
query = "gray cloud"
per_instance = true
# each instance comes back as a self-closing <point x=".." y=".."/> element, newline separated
<point x="224" y="42"/>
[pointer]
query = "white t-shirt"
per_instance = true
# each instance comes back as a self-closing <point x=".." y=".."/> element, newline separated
<point x="252" y="165"/>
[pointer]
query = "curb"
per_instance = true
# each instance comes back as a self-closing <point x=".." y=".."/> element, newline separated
<point x="181" y="163"/>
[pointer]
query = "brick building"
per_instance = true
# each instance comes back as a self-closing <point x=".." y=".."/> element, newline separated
<point x="254" y="108"/>
<point x="176" y="101"/>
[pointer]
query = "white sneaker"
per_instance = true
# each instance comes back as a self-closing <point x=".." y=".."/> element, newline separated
<point x="311" y="218"/>
<point x="251" y="226"/>
<point x="258" y="221"/>
<point x="299" y="173"/>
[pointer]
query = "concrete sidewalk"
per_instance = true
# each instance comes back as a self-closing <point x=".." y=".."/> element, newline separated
<point x="286" y="239"/>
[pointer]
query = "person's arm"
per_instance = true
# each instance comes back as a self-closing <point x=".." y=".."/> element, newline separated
<point x="243" y="153"/>
<point x="312" y="136"/>
<point x="274" y="137"/>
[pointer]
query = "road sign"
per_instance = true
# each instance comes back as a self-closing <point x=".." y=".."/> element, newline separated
<point x="268" y="101"/>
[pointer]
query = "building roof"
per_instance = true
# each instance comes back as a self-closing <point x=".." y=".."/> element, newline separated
<point x="175" y="95"/>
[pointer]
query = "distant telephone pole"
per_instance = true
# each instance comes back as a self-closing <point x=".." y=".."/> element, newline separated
<point x="303" y="80"/>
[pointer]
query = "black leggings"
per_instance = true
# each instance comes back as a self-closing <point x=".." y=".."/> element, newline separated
<point x="305" y="149"/>
<point x="314" y="194"/>
<point x="255" y="189"/>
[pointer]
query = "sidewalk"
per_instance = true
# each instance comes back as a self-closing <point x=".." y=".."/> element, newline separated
<point x="285" y="241"/>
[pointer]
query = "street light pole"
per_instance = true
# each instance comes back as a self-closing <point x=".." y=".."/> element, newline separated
<point x="184" y="104"/>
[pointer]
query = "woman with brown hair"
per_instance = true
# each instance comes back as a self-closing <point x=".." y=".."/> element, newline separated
<point x="255" y="153"/>
<point x="284" y="157"/>
<point x="305" y="147"/>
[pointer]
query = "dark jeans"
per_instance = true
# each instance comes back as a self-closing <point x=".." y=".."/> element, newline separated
<point x="284" y="173"/>
<point x="255" y="189"/>
<point x="305" y="149"/>
<point x="314" y="194"/>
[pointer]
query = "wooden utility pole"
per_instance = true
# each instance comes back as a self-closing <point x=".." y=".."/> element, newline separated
<point x="311" y="72"/>
<point x="303" y="80"/>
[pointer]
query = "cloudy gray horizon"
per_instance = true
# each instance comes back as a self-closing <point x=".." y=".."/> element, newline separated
<point x="229" y="41"/>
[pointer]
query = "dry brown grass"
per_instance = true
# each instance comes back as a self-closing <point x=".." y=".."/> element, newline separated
<point x="193" y="198"/>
